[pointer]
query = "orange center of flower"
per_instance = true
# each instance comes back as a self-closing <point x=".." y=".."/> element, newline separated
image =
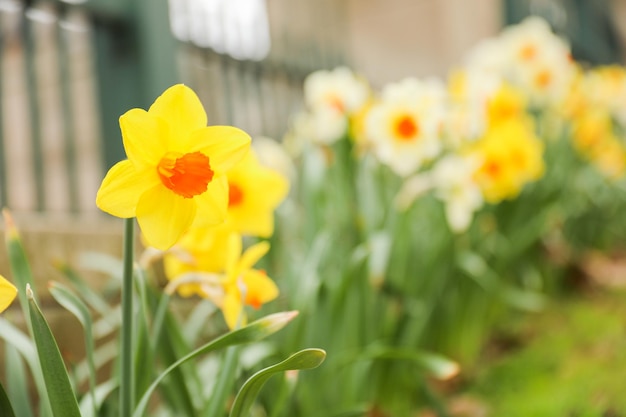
<point x="254" y="301"/>
<point x="406" y="128"/>
<point x="543" y="78"/>
<point x="187" y="175"/>
<point x="528" y="52"/>
<point x="235" y="195"/>
<point x="492" y="169"/>
<point x="336" y="103"/>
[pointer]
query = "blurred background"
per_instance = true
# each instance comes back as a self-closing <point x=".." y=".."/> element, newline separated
<point x="69" y="69"/>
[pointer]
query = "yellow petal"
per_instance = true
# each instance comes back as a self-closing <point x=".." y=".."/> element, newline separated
<point x="121" y="188"/>
<point x="234" y="252"/>
<point x="181" y="108"/>
<point x="7" y="293"/>
<point x="224" y="145"/>
<point x="275" y="186"/>
<point x="232" y="308"/>
<point x="164" y="216"/>
<point x="252" y="255"/>
<point x="145" y="137"/>
<point x="260" y="288"/>
<point x="251" y="222"/>
<point x="264" y="190"/>
<point x="213" y="203"/>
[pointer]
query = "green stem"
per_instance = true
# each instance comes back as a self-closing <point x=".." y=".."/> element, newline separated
<point x="224" y="384"/>
<point x="126" y="373"/>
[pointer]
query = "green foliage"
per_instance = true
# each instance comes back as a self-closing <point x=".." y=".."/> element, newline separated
<point x="5" y="405"/>
<point x="161" y="336"/>
<point x="305" y="359"/>
<point x="61" y="394"/>
<point x="568" y="362"/>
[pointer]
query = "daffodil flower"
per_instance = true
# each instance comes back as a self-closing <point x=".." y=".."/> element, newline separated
<point x="244" y="285"/>
<point x="174" y="176"/>
<point x="7" y="293"/>
<point x="254" y="192"/>
<point x="211" y="265"/>
<point x="511" y="156"/>
<point x="201" y="250"/>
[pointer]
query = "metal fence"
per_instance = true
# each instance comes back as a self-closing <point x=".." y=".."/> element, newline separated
<point x="49" y="135"/>
<point x="67" y="71"/>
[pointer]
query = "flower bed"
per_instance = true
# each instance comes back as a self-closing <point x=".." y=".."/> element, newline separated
<point x="399" y="226"/>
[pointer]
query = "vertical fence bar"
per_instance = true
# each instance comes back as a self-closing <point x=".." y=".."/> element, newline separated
<point x="226" y="87"/>
<point x="68" y="116"/>
<point x="35" y="118"/>
<point x="3" y="171"/>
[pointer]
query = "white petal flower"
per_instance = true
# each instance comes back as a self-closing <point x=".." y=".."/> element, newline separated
<point x="405" y="126"/>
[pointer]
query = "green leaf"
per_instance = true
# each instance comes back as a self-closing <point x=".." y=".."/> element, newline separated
<point x="88" y="404"/>
<point x="21" y="342"/>
<point x="253" y="332"/>
<point x="20" y="268"/>
<point x="18" y="381"/>
<point x="224" y="383"/>
<point x="93" y="298"/>
<point x="100" y="262"/>
<point x="62" y="398"/>
<point x="437" y="366"/>
<point x="524" y="299"/>
<point x="304" y="359"/>
<point x="75" y="305"/>
<point x="477" y="268"/>
<point x="5" y="405"/>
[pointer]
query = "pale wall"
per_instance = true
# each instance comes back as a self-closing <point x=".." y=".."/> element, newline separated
<point x="392" y="39"/>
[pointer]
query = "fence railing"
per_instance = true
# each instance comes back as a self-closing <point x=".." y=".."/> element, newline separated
<point x="68" y="71"/>
<point x="49" y="136"/>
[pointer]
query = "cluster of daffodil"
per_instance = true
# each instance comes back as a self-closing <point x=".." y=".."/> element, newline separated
<point x="197" y="192"/>
<point x="430" y="207"/>
<point x="598" y="117"/>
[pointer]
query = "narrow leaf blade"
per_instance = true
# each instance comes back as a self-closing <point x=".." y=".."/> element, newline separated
<point x="62" y="398"/>
<point x="6" y="409"/>
<point x="304" y="359"/>
<point x="78" y="308"/>
<point x="253" y="332"/>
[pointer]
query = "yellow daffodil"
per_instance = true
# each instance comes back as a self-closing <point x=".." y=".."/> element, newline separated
<point x="610" y="158"/>
<point x="511" y="156"/>
<point x="212" y="266"/>
<point x="254" y="192"/>
<point x="7" y="293"/>
<point x="202" y="249"/>
<point x="244" y="285"/>
<point x="507" y="103"/>
<point x="595" y="139"/>
<point x="530" y="56"/>
<point x="590" y="130"/>
<point x="175" y="172"/>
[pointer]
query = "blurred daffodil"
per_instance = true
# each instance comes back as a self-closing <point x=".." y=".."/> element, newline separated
<point x="506" y="103"/>
<point x="254" y="192"/>
<point x="405" y="125"/>
<point x="229" y="280"/>
<point x="243" y="284"/>
<point x="511" y="156"/>
<point x="339" y="88"/>
<point x="200" y="250"/>
<point x="594" y="137"/>
<point x="175" y="172"/>
<point x="8" y="292"/>
<point x="452" y="182"/>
